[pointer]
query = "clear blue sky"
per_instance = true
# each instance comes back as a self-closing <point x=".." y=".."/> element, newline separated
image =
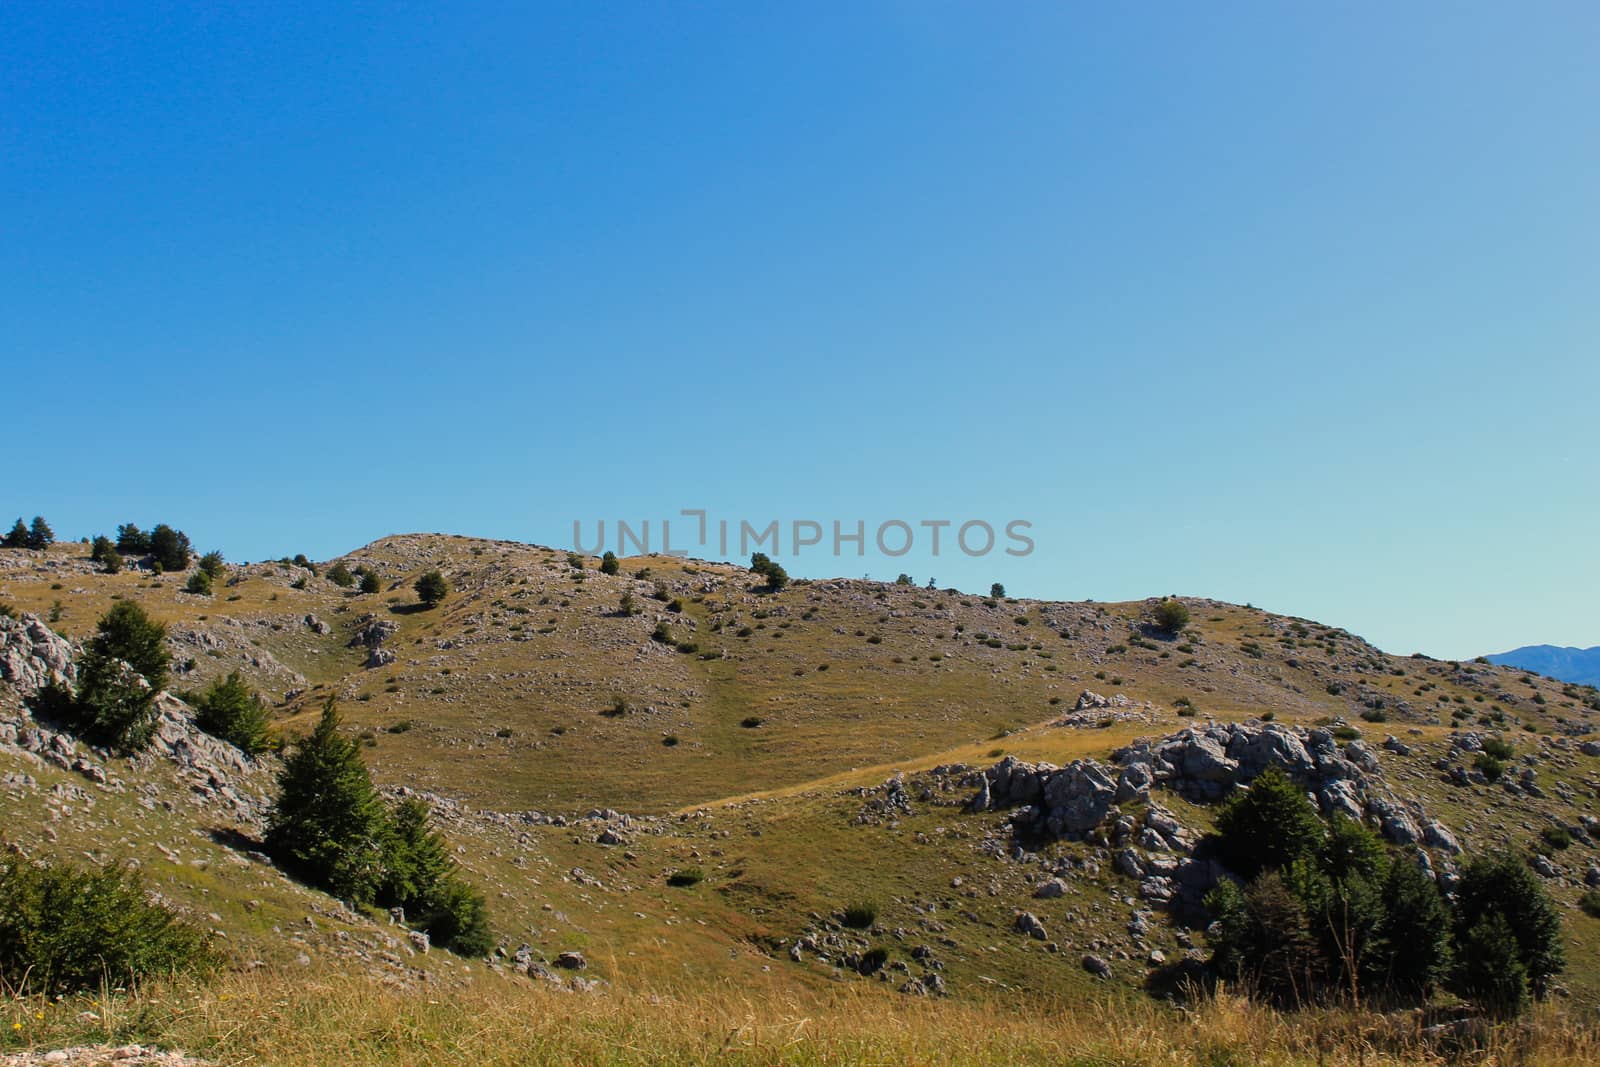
<point x="1289" y="304"/>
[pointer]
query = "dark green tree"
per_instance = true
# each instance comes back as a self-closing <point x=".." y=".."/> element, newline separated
<point x="369" y="582"/>
<point x="18" y="537"/>
<point x="112" y="562"/>
<point x="431" y="589"/>
<point x="997" y="591"/>
<point x="122" y="669"/>
<point x="340" y="575"/>
<point x="424" y="881"/>
<point x="777" y="577"/>
<point x="329" y="827"/>
<point x="100" y="547"/>
<point x="231" y="710"/>
<point x="609" y="564"/>
<point x="905" y="579"/>
<point x="131" y="540"/>
<point x="170" y="548"/>
<point x="213" y="565"/>
<point x="1492" y="971"/>
<point x="1269" y="825"/>
<point x="1414" y="950"/>
<point x="127" y="633"/>
<point x="759" y="561"/>
<point x="1502" y="884"/>
<point x="199" y="584"/>
<point x="39" y="534"/>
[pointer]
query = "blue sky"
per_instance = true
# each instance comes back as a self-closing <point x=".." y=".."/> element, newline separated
<point x="1288" y="304"/>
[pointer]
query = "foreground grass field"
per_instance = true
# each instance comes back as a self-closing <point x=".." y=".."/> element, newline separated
<point x="288" y="1018"/>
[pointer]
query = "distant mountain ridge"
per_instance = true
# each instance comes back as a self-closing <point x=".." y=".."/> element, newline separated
<point x="1578" y="665"/>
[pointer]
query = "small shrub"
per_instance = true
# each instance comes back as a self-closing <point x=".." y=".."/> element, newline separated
<point x="1489" y="767"/>
<point x="859" y="915"/>
<point x="686" y="877"/>
<point x="1590" y="903"/>
<point x="1498" y="748"/>
<point x="1558" y="838"/>
<point x="751" y="722"/>
<point x="68" y="929"/>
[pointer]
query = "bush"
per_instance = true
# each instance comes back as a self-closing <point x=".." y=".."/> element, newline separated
<point x="997" y="591"/>
<point x="68" y="929"/>
<point x="1172" y="616"/>
<point x="199" y="584"/>
<point x="1499" y="749"/>
<point x="609" y="564"/>
<point x="687" y="877"/>
<point x="859" y="915"/>
<point x="369" y="582"/>
<point x="431" y="589"/>
<point x="1590" y="903"/>
<point x="1558" y="838"/>
<point x="340" y="575"/>
<point x="229" y="709"/>
<point x="1489" y="767"/>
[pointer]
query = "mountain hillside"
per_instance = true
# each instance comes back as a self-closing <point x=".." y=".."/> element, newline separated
<point x="674" y="777"/>
<point x="1580" y="666"/>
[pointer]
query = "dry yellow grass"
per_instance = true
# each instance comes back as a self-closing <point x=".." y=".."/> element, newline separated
<point x="289" y="1018"/>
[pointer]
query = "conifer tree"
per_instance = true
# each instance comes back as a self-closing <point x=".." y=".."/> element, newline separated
<point x="39" y="534"/>
<point x="329" y="827"/>
<point x="229" y="709"/>
<point x="18" y="537"/>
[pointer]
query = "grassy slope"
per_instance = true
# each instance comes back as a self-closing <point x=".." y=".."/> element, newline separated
<point x="525" y="648"/>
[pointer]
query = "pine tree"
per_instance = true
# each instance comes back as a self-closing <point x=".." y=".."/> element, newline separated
<point x="340" y="575"/>
<point x="329" y="827"/>
<point x="369" y="582"/>
<point x="199" y="584"/>
<point x="131" y="540"/>
<point x="609" y="564"/>
<point x="229" y="709"/>
<point x="997" y="591"/>
<point x="1503" y="884"/>
<point x="18" y="537"/>
<point x="170" y="547"/>
<point x="39" y="534"/>
<point x="122" y="669"/>
<point x="127" y="633"/>
<point x="1414" y="953"/>
<point x="431" y="589"/>
<point x="1270" y="825"/>
<point x="1492" y="971"/>
<point x="213" y="565"/>
<point x="100" y="548"/>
